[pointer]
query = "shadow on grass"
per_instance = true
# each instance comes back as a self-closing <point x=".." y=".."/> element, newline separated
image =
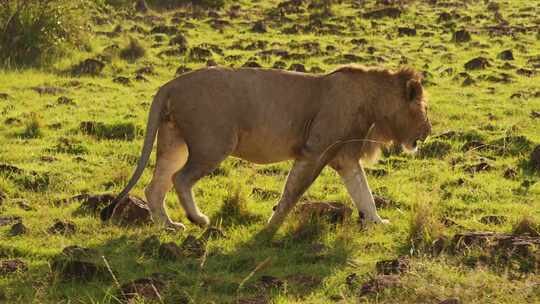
<point x="294" y="264"/>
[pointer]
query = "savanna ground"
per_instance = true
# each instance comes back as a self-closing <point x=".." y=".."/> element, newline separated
<point x="486" y="123"/>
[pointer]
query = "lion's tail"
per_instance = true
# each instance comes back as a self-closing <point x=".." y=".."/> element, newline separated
<point x="152" y="126"/>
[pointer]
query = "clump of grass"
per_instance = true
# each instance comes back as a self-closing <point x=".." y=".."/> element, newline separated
<point x="32" y="127"/>
<point x="133" y="51"/>
<point x="121" y="131"/>
<point x="235" y="210"/>
<point x="425" y="228"/>
<point x="70" y="146"/>
<point x="35" y="32"/>
<point x="527" y="226"/>
<point x="435" y="149"/>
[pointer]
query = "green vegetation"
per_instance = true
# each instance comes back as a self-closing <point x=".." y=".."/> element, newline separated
<point x="35" y="32"/>
<point x="76" y="83"/>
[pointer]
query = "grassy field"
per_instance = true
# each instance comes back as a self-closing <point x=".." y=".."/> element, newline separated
<point x="486" y="123"/>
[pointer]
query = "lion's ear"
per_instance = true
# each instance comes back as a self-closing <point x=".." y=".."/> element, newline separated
<point x="414" y="90"/>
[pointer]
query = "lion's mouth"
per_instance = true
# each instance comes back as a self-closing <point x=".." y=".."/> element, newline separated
<point x="412" y="146"/>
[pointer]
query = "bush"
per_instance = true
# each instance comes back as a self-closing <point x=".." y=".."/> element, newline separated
<point x="33" y="32"/>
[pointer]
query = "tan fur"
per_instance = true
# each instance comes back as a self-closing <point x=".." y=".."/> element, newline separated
<point x="267" y="116"/>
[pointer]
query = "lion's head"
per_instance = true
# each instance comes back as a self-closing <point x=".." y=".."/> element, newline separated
<point x="410" y="124"/>
<point x="402" y="112"/>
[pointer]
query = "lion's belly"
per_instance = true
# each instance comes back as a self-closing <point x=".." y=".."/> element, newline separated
<point x="263" y="148"/>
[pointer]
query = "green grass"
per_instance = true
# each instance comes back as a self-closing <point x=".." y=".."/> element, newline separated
<point x="91" y="145"/>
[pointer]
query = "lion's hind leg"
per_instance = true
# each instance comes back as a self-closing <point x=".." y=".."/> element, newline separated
<point x="171" y="156"/>
<point x="205" y="155"/>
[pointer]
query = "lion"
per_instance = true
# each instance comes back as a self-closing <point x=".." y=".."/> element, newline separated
<point x="339" y="119"/>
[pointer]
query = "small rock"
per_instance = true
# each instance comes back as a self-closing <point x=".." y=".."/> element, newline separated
<point x="493" y="219"/>
<point x="390" y="12"/>
<point x="131" y="211"/>
<point x="395" y="266"/>
<point x="17" y="229"/>
<point x="535" y="114"/>
<point x="62" y="227"/>
<point x="270" y="282"/>
<point x="259" y="27"/>
<point x="179" y="40"/>
<point x="211" y="63"/>
<point x="506" y="55"/>
<point x="383" y="202"/>
<point x="461" y="36"/>
<point x="479" y="167"/>
<point x="149" y="289"/>
<point x="297" y="67"/>
<point x="170" y="251"/>
<point x="7" y="220"/>
<point x="444" y="17"/>
<point x="91" y="67"/>
<point x="90" y="203"/>
<point x="535" y="159"/>
<point x="147" y="70"/>
<point x="48" y="90"/>
<point x="510" y="173"/>
<point x="405" y="31"/>
<point x="79" y="263"/>
<point x="525" y="72"/>
<point x="164" y="29"/>
<point x="468" y="81"/>
<point x="251" y="64"/>
<point x="122" y="80"/>
<point x="10" y="266"/>
<point x="140" y="77"/>
<point x="478" y="63"/>
<point x="380" y="283"/>
<point x="63" y="100"/>
<point x="199" y="54"/>
<point x="75" y="251"/>
<point x="280" y="65"/>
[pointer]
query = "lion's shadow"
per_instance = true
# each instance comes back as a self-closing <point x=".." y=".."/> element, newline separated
<point x="294" y="264"/>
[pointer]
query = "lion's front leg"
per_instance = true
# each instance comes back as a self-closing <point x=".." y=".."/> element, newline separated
<point x="355" y="181"/>
<point x="301" y="176"/>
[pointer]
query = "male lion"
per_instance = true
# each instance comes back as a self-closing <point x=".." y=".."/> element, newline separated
<point x="266" y="116"/>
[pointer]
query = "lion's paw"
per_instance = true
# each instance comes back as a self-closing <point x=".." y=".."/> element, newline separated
<point x="199" y="219"/>
<point x="177" y="226"/>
